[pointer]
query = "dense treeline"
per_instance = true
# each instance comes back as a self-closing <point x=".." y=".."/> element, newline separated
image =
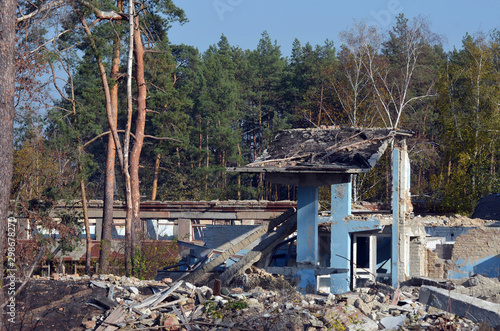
<point x="223" y="106"/>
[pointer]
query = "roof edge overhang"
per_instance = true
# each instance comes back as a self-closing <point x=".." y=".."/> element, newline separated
<point x="299" y="170"/>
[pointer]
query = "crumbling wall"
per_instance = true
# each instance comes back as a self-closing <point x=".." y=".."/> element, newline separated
<point x="418" y="265"/>
<point x="444" y="251"/>
<point x="435" y="265"/>
<point x="476" y="252"/>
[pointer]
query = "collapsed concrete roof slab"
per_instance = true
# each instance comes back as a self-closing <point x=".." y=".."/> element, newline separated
<point x="316" y="157"/>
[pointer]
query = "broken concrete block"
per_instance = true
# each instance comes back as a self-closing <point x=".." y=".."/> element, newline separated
<point x="393" y="322"/>
<point x="99" y="284"/>
<point x="331" y="300"/>
<point x="365" y="297"/>
<point x="475" y="309"/>
<point x="361" y="305"/>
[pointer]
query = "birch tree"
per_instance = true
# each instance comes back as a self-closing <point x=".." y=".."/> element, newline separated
<point x="391" y="65"/>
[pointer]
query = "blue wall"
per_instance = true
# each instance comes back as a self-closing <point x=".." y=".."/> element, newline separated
<point x="489" y="267"/>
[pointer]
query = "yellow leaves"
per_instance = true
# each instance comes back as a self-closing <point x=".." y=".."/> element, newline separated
<point x="34" y="171"/>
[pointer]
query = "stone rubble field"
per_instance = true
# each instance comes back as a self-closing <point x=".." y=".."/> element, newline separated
<point x="261" y="301"/>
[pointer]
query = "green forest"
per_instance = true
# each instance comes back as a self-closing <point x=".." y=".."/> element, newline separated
<point x="163" y="121"/>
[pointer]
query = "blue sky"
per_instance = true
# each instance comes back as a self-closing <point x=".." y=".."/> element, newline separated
<point x="243" y="21"/>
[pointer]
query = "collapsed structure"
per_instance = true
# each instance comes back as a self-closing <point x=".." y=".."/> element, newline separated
<point x="332" y="252"/>
<point x="361" y="247"/>
<point x="336" y="251"/>
<point x="353" y="248"/>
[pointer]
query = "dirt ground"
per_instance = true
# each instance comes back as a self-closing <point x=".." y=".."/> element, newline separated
<point x="54" y="305"/>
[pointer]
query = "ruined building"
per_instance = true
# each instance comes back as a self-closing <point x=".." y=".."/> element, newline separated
<point x="341" y="251"/>
<point x="335" y="251"/>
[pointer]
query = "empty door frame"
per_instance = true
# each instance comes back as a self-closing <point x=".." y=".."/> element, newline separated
<point x="366" y="251"/>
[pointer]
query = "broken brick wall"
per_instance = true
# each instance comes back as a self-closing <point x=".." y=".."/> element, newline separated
<point x="476" y="252"/>
<point x="418" y="254"/>
<point x="435" y="265"/>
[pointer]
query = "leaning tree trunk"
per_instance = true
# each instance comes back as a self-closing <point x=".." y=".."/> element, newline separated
<point x="7" y="74"/>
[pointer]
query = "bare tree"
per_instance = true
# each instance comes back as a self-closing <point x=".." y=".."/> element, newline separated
<point x="352" y="84"/>
<point x="391" y="72"/>
<point x="392" y="78"/>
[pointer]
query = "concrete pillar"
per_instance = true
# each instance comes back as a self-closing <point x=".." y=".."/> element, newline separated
<point x="307" y="225"/>
<point x="340" y="237"/>
<point x="401" y="208"/>
<point x="185" y="229"/>
<point x="395" y="217"/>
<point x="307" y="237"/>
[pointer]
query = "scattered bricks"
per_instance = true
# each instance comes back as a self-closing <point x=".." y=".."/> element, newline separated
<point x="183" y="306"/>
<point x="237" y="290"/>
<point x="171" y="321"/>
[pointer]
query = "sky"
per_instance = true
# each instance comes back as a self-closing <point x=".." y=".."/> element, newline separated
<point x="244" y="21"/>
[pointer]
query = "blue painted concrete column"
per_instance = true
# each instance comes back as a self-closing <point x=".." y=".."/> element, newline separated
<point x="307" y="236"/>
<point x="340" y="237"/>
<point x="395" y="217"/>
<point x="307" y="225"/>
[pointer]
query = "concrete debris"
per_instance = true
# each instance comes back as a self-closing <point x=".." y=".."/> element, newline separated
<point x="461" y="305"/>
<point x="481" y="287"/>
<point x="455" y="221"/>
<point x="393" y="322"/>
<point x="265" y="302"/>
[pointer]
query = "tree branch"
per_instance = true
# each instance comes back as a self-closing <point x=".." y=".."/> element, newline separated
<point x="103" y="134"/>
<point x="105" y="15"/>
<point x="45" y="7"/>
<point x="162" y="138"/>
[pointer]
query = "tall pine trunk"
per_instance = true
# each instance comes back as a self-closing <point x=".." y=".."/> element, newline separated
<point x="109" y="184"/>
<point x="121" y="152"/>
<point x="139" y="136"/>
<point x="7" y="74"/>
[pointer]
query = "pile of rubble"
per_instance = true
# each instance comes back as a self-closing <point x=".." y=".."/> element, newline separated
<point x="452" y="220"/>
<point x="266" y="302"/>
